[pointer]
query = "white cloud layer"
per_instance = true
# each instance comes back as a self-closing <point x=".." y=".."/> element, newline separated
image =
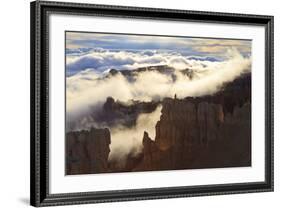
<point x="87" y="89"/>
<point x="103" y="60"/>
<point x="129" y="140"/>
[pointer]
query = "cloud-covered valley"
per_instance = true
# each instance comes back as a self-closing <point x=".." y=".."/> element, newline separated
<point x="90" y="87"/>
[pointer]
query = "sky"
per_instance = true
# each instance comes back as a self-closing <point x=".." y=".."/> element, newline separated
<point x="186" y="45"/>
<point x="101" y="51"/>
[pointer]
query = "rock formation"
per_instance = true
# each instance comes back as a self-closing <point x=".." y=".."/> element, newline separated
<point x="87" y="151"/>
<point x="162" y="69"/>
<point x="199" y="135"/>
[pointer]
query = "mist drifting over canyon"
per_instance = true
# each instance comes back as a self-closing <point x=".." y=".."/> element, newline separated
<point x="126" y="91"/>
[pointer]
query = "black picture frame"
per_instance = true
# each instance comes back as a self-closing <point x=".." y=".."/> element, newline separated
<point x="39" y="159"/>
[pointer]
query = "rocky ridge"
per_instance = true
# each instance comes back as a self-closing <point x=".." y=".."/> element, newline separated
<point x="203" y="132"/>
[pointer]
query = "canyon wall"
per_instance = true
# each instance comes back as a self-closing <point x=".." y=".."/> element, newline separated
<point x="203" y="132"/>
<point x="199" y="135"/>
<point x="87" y="151"/>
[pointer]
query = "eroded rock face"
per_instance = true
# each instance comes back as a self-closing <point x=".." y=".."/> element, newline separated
<point x="198" y="135"/>
<point x="117" y="113"/>
<point x="209" y="117"/>
<point x="87" y="151"/>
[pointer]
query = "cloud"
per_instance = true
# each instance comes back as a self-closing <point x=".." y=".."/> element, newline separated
<point x="129" y="140"/>
<point x="98" y="61"/>
<point x="184" y="45"/>
<point x="87" y="89"/>
<point x="104" y="60"/>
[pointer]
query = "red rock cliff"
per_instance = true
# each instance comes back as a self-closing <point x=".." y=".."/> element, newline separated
<point x="198" y="135"/>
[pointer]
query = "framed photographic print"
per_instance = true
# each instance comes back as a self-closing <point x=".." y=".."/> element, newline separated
<point x="131" y="103"/>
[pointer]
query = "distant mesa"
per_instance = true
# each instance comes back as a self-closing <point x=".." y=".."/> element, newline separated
<point x="212" y="59"/>
<point x="113" y="72"/>
<point x="162" y="69"/>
